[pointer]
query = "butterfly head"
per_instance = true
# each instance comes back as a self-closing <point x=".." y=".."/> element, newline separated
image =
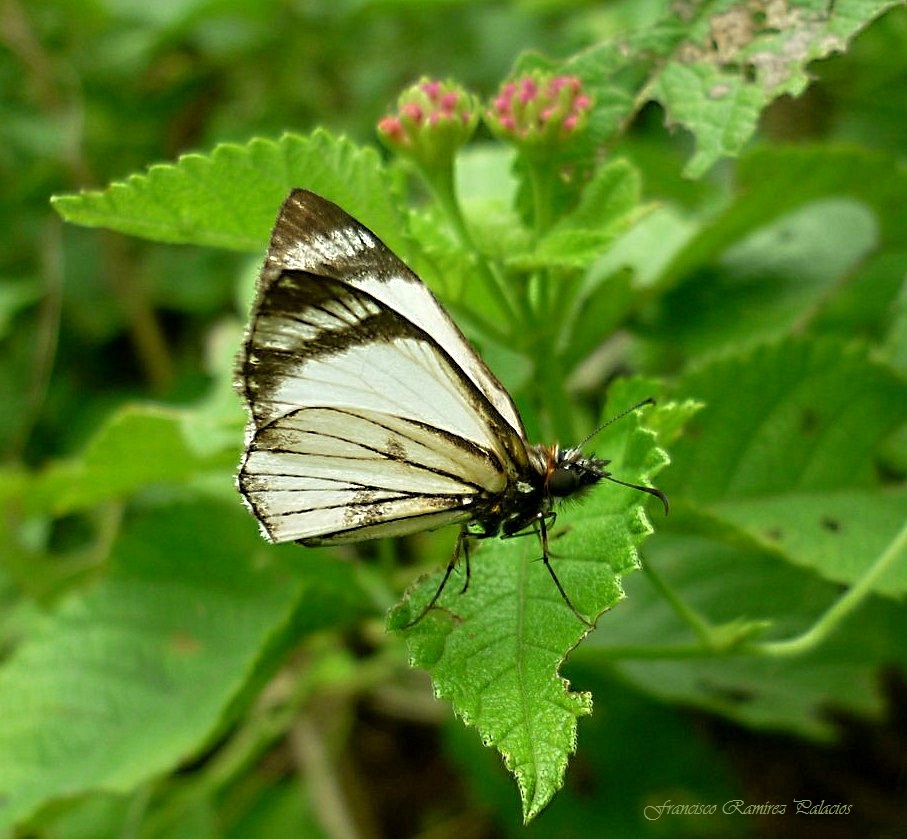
<point x="570" y="472"/>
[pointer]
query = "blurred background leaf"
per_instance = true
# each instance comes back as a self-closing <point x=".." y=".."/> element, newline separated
<point x="165" y="672"/>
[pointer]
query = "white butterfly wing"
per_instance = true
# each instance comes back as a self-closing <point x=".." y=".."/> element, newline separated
<point x="338" y="475"/>
<point x="362" y="423"/>
<point x="315" y="235"/>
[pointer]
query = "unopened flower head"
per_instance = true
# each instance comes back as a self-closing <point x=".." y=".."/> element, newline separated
<point x="539" y="109"/>
<point x="433" y="119"/>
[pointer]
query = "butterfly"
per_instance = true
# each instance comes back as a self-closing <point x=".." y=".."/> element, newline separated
<point x="370" y="414"/>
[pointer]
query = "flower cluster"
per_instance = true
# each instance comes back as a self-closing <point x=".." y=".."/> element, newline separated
<point x="539" y="110"/>
<point x="433" y="120"/>
<point x="535" y="111"/>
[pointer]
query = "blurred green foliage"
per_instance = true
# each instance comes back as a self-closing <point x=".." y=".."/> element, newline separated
<point x="167" y="673"/>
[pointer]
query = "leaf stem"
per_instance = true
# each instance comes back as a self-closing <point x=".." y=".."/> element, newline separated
<point x="840" y="609"/>
<point x="700" y="626"/>
<point x="733" y="638"/>
<point x="440" y="181"/>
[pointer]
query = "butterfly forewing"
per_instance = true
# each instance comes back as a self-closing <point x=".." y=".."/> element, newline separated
<point x="316" y="236"/>
<point x="370" y="414"/>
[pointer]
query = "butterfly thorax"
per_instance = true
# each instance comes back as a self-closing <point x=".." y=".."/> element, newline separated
<point x="551" y="474"/>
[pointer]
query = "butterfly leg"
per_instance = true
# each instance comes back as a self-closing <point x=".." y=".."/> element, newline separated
<point x="463" y="542"/>
<point x="543" y="535"/>
<point x="461" y="545"/>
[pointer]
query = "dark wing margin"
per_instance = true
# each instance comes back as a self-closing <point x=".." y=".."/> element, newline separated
<point x="370" y="413"/>
<point x="316" y="236"/>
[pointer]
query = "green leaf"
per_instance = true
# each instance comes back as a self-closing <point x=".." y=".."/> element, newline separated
<point x="773" y="182"/>
<point x="137" y="446"/>
<point x="804" y="229"/>
<point x="495" y="650"/>
<point x="783" y="452"/>
<point x="713" y="66"/>
<point x="647" y="247"/>
<point x="596" y="315"/>
<point x="718" y="107"/>
<point x="123" y="682"/>
<point x="607" y="205"/>
<point x="723" y="582"/>
<point x="676" y="766"/>
<point x="838" y="533"/>
<point x="229" y="198"/>
<point x="765" y="285"/>
<point x="868" y="306"/>
<point x="738" y="58"/>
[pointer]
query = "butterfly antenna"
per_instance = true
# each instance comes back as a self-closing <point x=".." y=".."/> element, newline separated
<point x="604" y="425"/>
<point x="650" y="490"/>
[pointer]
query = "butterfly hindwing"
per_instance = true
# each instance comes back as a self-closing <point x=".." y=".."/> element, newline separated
<point x="319" y="471"/>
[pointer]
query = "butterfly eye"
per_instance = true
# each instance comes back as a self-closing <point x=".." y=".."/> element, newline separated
<point x="564" y="481"/>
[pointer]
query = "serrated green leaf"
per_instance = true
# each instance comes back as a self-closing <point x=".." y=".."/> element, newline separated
<point x="495" y="650"/>
<point x="718" y="107"/>
<point x="676" y="766"/>
<point x="714" y="66"/>
<point x="229" y="198"/>
<point x="784" y="449"/>
<point x="736" y="59"/>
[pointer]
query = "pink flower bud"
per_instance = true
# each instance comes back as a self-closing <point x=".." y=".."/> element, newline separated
<point x="539" y="110"/>
<point x="432" y="89"/>
<point x="432" y="121"/>
<point x="412" y="111"/>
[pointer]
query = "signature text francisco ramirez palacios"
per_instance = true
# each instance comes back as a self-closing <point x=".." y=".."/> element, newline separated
<point x="799" y="806"/>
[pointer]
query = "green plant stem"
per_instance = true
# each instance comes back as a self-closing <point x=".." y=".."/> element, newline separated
<point x="700" y="626"/>
<point x="550" y="394"/>
<point x="840" y="609"/>
<point x="441" y="184"/>
<point x="541" y="221"/>
<point x="541" y="196"/>
<point x="716" y="640"/>
<point x="552" y="397"/>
